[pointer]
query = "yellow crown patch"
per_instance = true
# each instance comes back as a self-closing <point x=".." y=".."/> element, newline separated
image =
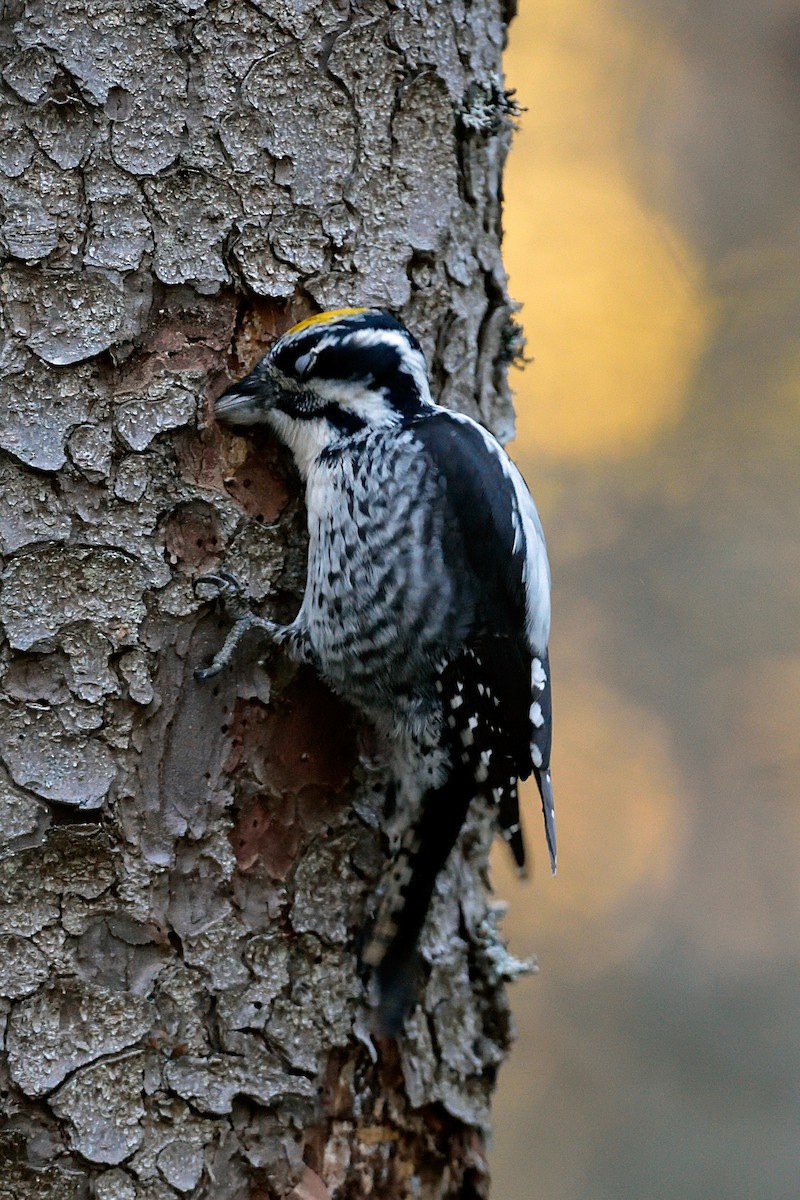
<point x="322" y="318"/>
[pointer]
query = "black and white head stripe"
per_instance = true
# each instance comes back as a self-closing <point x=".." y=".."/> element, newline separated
<point x="355" y="346"/>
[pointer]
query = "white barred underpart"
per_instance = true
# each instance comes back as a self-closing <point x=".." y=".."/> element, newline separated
<point x="378" y="600"/>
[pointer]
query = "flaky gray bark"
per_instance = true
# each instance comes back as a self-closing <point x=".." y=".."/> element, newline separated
<point x="186" y="868"/>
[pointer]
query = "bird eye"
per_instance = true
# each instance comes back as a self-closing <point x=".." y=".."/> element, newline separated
<point x="304" y="363"/>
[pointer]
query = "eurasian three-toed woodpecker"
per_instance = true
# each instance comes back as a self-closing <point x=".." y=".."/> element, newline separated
<point x="427" y="600"/>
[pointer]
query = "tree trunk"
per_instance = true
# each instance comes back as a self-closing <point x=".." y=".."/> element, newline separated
<point x="186" y="867"/>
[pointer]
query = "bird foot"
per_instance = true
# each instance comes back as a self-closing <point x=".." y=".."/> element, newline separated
<point x="227" y="589"/>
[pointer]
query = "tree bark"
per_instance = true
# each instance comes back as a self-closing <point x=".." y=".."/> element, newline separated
<point x="186" y="867"/>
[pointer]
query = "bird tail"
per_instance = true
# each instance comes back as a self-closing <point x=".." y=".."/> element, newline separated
<point x="507" y="800"/>
<point x="546" y="792"/>
<point x="390" y="947"/>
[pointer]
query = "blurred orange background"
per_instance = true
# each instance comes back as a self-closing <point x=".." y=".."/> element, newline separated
<point x="653" y="238"/>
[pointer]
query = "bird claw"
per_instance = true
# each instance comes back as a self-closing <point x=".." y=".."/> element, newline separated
<point x="230" y="592"/>
<point x="225" y="586"/>
<point x="203" y="673"/>
<point x="227" y="589"/>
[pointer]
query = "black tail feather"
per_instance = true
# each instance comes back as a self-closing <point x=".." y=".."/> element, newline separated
<point x="546" y="792"/>
<point x="391" y="945"/>
<point x="483" y="761"/>
<point x="509" y="823"/>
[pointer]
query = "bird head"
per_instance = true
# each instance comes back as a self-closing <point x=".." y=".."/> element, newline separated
<point x="330" y="377"/>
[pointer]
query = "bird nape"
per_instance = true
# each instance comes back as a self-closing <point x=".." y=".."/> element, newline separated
<point x="426" y="604"/>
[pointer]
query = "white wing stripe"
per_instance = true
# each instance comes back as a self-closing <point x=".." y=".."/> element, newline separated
<point x="528" y="528"/>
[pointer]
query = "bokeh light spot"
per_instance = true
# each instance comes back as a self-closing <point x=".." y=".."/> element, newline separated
<point x="614" y="305"/>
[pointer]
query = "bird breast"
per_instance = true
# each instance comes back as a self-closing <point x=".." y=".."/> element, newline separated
<point x="380" y="606"/>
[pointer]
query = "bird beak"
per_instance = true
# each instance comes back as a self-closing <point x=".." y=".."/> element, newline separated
<point x="245" y="402"/>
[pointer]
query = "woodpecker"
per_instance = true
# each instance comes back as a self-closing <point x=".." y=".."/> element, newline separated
<point x="427" y="599"/>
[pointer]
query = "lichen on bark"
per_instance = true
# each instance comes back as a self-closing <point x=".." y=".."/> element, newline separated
<point x="185" y="868"/>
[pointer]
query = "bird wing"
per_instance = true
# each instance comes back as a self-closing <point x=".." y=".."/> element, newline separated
<point x="493" y="534"/>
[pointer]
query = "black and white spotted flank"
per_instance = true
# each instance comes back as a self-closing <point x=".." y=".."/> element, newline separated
<point x="427" y="600"/>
